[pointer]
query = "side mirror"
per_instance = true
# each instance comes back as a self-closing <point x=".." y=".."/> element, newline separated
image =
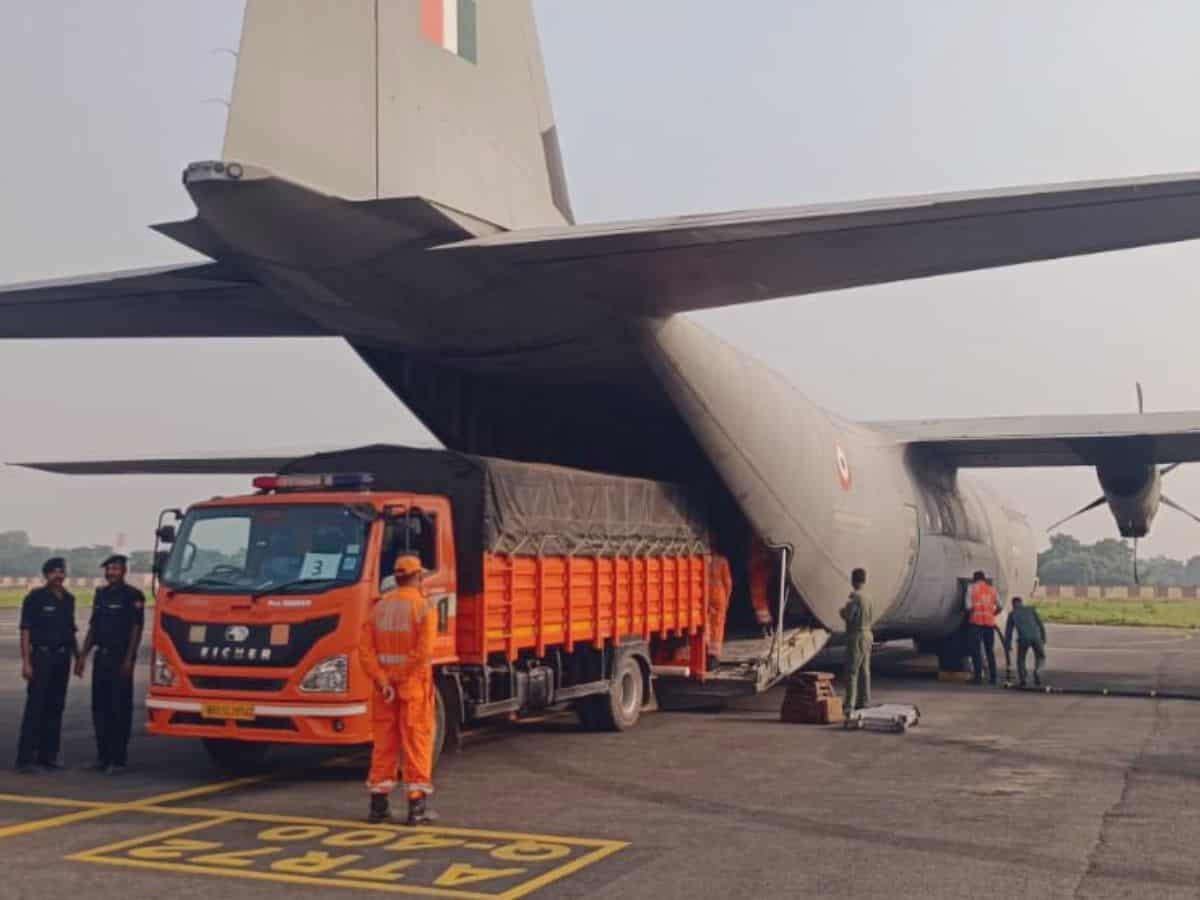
<point x="166" y="534"/>
<point x="160" y="562"/>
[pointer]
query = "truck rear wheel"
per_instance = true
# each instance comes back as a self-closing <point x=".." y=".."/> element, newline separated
<point x="236" y="757"/>
<point x="620" y="709"/>
<point x="585" y="710"/>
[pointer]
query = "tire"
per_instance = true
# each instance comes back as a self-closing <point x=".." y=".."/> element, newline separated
<point x="620" y="709"/>
<point x="236" y="757"/>
<point x="439" y="725"/>
<point x="585" y="710"/>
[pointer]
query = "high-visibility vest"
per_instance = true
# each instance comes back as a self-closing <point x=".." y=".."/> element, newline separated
<point x="397" y="641"/>
<point x="983" y="604"/>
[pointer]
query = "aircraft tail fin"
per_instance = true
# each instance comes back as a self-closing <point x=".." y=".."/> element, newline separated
<point x="368" y="99"/>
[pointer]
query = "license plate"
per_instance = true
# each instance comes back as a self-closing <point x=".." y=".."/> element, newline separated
<point x="242" y="712"/>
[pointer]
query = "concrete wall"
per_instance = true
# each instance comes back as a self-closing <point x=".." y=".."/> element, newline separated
<point x="1049" y="593"/>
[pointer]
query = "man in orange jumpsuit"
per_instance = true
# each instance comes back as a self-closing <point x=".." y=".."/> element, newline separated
<point x="761" y="568"/>
<point x="397" y="654"/>
<point x="720" y="586"/>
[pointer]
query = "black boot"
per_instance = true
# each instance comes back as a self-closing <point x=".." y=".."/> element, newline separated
<point x="380" y="810"/>
<point x="418" y="812"/>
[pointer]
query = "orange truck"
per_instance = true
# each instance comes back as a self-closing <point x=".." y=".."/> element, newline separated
<point x="552" y="586"/>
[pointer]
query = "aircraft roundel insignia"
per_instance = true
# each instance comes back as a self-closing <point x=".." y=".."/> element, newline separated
<point x="843" y="468"/>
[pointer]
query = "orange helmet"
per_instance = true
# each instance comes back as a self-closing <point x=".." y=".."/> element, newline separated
<point x="407" y="564"/>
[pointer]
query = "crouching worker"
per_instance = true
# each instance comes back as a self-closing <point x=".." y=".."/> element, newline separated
<point x="1031" y="635"/>
<point x="397" y="654"/>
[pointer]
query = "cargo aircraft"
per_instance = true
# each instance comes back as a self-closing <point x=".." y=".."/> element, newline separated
<point x="391" y="175"/>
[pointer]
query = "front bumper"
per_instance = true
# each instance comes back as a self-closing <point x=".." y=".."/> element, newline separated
<point x="285" y="723"/>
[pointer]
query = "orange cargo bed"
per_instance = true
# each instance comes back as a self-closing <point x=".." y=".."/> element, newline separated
<point x="535" y="603"/>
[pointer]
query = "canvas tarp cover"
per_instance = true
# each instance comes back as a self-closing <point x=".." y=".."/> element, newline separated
<point x="529" y="509"/>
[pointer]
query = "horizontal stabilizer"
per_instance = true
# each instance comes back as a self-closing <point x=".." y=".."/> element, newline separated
<point x="181" y="301"/>
<point x="672" y="265"/>
<point x="1079" y="440"/>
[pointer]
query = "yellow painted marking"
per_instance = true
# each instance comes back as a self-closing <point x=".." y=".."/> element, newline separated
<point x="293" y="833"/>
<point x="431" y="831"/>
<point x="170" y="851"/>
<point x="144" y="839"/>
<point x="392" y="871"/>
<point x="464" y="873"/>
<point x="235" y="859"/>
<point x="185" y="868"/>
<point x="51" y="801"/>
<point x="531" y="851"/>
<point x="107" y="809"/>
<point x="56" y="821"/>
<point x="364" y="837"/>
<point x="425" y="842"/>
<point x="172" y="848"/>
<point x="314" y="862"/>
<point x="563" y="871"/>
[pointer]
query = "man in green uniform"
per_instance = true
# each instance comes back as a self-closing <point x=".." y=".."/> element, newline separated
<point x="859" y="616"/>
<point x="1031" y="635"/>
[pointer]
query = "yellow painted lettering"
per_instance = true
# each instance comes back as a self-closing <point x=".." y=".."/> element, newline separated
<point x="531" y="851"/>
<point x="235" y="859"/>
<point x="173" y="849"/>
<point x="363" y="837"/>
<point x="458" y="874"/>
<point x="286" y="833"/>
<point x="425" y="842"/>
<point x="392" y="871"/>
<point x="314" y="862"/>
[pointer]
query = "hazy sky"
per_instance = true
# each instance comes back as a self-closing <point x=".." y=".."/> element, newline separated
<point x="670" y="106"/>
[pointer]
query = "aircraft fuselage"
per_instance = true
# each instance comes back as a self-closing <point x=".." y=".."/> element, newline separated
<point x="840" y="495"/>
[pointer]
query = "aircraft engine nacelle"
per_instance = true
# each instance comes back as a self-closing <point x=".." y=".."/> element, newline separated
<point x="1133" y="493"/>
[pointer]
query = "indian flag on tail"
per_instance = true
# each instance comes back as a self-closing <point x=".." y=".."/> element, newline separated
<point x="451" y="25"/>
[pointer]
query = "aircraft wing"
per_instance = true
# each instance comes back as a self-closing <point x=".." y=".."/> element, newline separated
<point x="198" y="465"/>
<point x="182" y="301"/>
<point x="662" y="266"/>
<point x="1078" y="440"/>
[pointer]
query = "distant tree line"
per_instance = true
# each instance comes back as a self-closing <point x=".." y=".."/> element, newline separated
<point x="1109" y="562"/>
<point x="20" y="557"/>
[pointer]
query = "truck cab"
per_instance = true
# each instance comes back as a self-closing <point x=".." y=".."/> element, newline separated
<point x="261" y="603"/>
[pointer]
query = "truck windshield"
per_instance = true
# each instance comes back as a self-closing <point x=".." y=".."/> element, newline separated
<point x="260" y="549"/>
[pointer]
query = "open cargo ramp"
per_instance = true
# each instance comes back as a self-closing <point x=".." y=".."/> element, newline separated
<point x="747" y="666"/>
<point x="752" y="664"/>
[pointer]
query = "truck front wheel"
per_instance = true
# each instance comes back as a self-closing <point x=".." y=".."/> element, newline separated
<point x="236" y="757"/>
<point x="620" y="709"/>
<point x="439" y="725"/>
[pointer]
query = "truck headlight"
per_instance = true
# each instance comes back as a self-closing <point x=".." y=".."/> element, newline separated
<point x="161" y="673"/>
<point x="329" y="676"/>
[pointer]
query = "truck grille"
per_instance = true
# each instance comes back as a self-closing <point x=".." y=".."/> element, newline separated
<point x="252" y="647"/>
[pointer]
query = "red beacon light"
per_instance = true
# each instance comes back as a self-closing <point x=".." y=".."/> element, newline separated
<point x="345" y="481"/>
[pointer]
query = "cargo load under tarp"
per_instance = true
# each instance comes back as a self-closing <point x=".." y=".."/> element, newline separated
<point x="527" y="509"/>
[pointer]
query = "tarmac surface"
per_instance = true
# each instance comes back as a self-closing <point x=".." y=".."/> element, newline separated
<point x="1001" y="792"/>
